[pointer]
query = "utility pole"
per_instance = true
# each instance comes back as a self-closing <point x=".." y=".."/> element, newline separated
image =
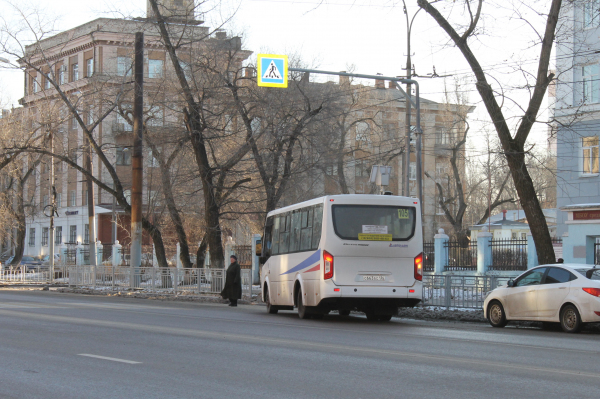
<point x="137" y="159"/>
<point x="53" y="210"/>
<point x="408" y="127"/>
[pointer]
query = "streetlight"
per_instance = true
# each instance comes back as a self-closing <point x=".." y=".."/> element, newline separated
<point x="4" y="60"/>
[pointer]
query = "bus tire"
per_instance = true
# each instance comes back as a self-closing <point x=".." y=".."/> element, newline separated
<point x="302" y="310"/>
<point x="371" y="316"/>
<point x="271" y="309"/>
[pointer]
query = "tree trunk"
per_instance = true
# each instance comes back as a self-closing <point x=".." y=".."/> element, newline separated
<point x="201" y="253"/>
<point x="159" y="246"/>
<point x="21" y="226"/>
<point x="533" y="210"/>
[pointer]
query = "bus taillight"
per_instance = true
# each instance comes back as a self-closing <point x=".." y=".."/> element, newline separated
<point x="328" y="268"/>
<point x="419" y="267"/>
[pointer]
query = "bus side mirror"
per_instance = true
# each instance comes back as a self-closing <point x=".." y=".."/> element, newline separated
<point x="263" y="259"/>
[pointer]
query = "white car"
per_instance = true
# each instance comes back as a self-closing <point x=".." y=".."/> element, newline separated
<point x="568" y="294"/>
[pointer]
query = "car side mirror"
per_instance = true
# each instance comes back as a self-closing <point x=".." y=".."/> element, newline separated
<point x="510" y="283"/>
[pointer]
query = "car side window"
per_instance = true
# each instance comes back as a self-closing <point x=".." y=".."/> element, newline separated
<point x="558" y="275"/>
<point x="534" y="277"/>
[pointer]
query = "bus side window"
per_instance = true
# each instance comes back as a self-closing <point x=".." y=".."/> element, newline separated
<point x="317" y="226"/>
<point x="295" y="236"/>
<point x="275" y="236"/>
<point x="284" y="233"/>
<point x="306" y="233"/>
<point x="268" y="238"/>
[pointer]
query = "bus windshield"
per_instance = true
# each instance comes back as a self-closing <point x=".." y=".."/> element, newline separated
<point x="374" y="222"/>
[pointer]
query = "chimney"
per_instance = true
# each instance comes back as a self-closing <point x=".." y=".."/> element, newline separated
<point x="504" y="214"/>
<point x="221" y="35"/>
<point x="391" y="85"/>
<point x="379" y="83"/>
<point x="248" y="72"/>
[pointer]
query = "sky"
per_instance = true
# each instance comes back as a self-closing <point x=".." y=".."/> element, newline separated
<point x="366" y="36"/>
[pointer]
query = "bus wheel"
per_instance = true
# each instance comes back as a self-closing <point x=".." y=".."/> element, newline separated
<point x="344" y="312"/>
<point x="302" y="311"/>
<point x="270" y="308"/>
<point x="371" y="316"/>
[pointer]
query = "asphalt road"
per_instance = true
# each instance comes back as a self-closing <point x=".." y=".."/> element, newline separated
<point x="74" y="346"/>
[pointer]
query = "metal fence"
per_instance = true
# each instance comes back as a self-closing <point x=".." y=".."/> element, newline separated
<point x="29" y="274"/>
<point x="458" y="291"/>
<point x="597" y="253"/>
<point x="428" y="256"/>
<point x="169" y="280"/>
<point x="509" y="255"/>
<point x="244" y="255"/>
<point x="462" y="256"/>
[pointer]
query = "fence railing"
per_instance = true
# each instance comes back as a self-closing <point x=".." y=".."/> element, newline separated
<point x="244" y="255"/>
<point x="509" y="255"/>
<point x="597" y="253"/>
<point x="428" y="256"/>
<point x="458" y="291"/>
<point x="168" y="280"/>
<point x="30" y="274"/>
<point x="462" y="256"/>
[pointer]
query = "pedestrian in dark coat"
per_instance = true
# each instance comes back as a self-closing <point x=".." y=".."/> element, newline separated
<point x="233" y="282"/>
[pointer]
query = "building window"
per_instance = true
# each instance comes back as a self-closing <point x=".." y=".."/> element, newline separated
<point x="412" y="171"/>
<point x="45" y="200"/>
<point x="590" y="155"/>
<point x="152" y="161"/>
<point x="58" y="235"/>
<point x="331" y="170"/>
<point x="591" y="92"/>
<point x="155" y="116"/>
<point x="74" y="72"/>
<point x="62" y="74"/>
<point x="45" y="236"/>
<point x="155" y="68"/>
<point x="86" y="234"/>
<point x="36" y="86"/>
<point x="361" y="168"/>
<point x="123" y="156"/>
<point x="89" y="68"/>
<point x="47" y="83"/>
<point x="591" y="16"/>
<point x="32" y="237"/>
<point x="72" y="198"/>
<point x="122" y="124"/>
<point x="58" y="200"/>
<point x="124" y="66"/>
<point x="72" y="234"/>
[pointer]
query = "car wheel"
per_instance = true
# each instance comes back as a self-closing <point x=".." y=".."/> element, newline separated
<point x="344" y="312"/>
<point x="496" y="315"/>
<point x="570" y="321"/>
<point x="271" y="309"/>
<point x="302" y="311"/>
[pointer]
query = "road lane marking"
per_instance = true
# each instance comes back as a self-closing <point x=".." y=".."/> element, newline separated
<point x="287" y="343"/>
<point x="112" y="359"/>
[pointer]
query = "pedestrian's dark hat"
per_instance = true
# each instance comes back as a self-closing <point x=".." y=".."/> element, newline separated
<point x="234" y="257"/>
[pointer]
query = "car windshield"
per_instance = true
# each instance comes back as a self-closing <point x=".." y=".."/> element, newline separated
<point x="27" y="258"/>
<point x="374" y="222"/>
<point x="595" y="274"/>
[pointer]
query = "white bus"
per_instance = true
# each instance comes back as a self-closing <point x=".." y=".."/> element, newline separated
<point x="344" y="253"/>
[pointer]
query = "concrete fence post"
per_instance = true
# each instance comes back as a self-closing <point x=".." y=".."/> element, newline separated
<point x="178" y="260"/>
<point x="532" y="258"/>
<point x="484" y="251"/>
<point x="116" y="254"/>
<point x="154" y="260"/>
<point x="99" y="252"/>
<point x="79" y="255"/>
<point x="63" y="254"/>
<point x="441" y="251"/>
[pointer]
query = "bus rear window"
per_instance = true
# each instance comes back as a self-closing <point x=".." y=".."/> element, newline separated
<point x="374" y="222"/>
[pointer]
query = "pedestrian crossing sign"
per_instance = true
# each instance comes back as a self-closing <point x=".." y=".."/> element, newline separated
<point x="272" y="70"/>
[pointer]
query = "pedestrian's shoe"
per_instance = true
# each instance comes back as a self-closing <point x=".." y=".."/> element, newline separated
<point x="233" y="304"/>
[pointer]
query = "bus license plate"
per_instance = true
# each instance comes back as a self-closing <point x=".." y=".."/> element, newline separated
<point x="373" y="278"/>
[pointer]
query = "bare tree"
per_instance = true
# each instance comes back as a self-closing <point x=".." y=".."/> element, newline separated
<point x="512" y="145"/>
